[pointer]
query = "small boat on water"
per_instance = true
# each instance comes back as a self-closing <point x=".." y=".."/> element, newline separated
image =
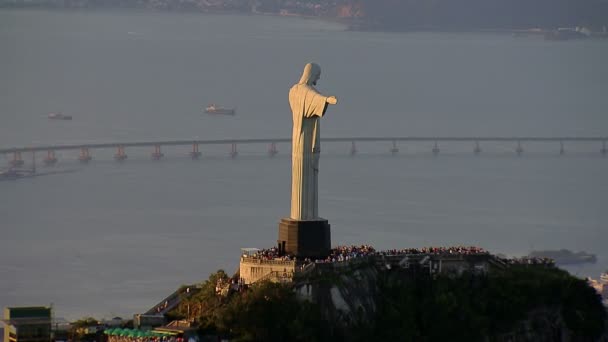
<point x="567" y="33"/>
<point x="59" y="116"/>
<point x="213" y="109"/>
<point x="604" y="277"/>
<point x="19" y="173"/>
<point x="14" y="173"/>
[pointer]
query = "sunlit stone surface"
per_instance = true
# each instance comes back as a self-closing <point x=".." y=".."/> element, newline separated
<point x="307" y="107"/>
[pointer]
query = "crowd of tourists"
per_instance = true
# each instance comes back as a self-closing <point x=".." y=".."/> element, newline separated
<point x="346" y="253"/>
<point x="337" y="254"/>
<point x="270" y="254"/>
<point x="453" y="250"/>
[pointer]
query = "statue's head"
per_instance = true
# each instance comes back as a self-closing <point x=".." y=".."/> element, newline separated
<point x="311" y="74"/>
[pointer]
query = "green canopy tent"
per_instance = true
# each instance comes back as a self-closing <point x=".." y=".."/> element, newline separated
<point x="139" y="334"/>
<point x="115" y="331"/>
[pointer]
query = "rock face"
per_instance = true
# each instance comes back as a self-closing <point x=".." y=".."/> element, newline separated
<point x="540" y="325"/>
<point x="346" y="296"/>
<point x="545" y="325"/>
<point x="352" y="296"/>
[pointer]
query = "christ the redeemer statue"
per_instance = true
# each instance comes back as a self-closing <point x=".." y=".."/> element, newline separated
<point x="307" y="107"/>
<point x="305" y="233"/>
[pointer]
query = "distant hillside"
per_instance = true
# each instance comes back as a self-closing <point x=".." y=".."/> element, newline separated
<point x="483" y="14"/>
<point x="385" y="14"/>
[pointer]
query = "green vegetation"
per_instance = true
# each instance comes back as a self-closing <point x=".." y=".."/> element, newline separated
<point x="83" y="329"/>
<point x="473" y="307"/>
<point x="203" y="305"/>
<point x="264" y="312"/>
<point x="469" y="307"/>
<point x="271" y="312"/>
<point x="85" y="322"/>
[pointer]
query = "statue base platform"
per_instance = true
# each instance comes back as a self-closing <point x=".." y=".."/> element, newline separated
<point x="311" y="238"/>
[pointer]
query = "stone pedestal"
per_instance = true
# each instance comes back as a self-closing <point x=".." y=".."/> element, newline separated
<point x="311" y="238"/>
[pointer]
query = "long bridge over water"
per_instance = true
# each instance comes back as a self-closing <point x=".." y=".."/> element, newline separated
<point x="85" y="154"/>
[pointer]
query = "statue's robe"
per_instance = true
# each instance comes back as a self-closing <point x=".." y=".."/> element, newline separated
<point x="307" y="106"/>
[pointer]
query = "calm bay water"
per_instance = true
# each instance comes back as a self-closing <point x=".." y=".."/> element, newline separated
<point x="114" y="239"/>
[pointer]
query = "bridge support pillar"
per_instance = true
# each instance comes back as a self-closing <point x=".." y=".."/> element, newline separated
<point x="394" y="150"/>
<point x="435" y="149"/>
<point x="85" y="156"/>
<point x="272" y="149"/>
<point x="477" y="149"/>
<point x="353" y="148"/>
<point x="562" y="150"/>
<point x="195" y="154"/>
<point x="519" y="149"/>
<point x="17" y="161"/>
<point x="233" y="151"/>
<point x="157" y="154"/>
<point x="120" y="154"/>
<point x="50" y="158"/>
<point x="604" y="150"/>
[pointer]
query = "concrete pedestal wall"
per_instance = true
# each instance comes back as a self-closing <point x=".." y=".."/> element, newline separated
<point x="253" y="270"/>
<point x="305" y="238"/>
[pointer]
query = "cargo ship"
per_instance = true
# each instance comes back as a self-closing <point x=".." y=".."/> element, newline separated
<point x="213" y="109"/>
<point x="564" y="256"/>
<point x="59" y="116"/>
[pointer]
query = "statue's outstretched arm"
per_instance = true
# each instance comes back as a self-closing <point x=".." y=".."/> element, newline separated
<point x="331" y="100"/>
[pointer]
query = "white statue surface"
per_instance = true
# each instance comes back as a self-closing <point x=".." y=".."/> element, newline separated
<point x="307" y="106"/>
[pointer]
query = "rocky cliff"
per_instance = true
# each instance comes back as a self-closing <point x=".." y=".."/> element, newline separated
<point x="367" y="302"/>
<point x="451" y="298"/>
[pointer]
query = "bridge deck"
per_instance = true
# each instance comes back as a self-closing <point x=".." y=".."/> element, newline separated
<point x="285" y="140"/>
